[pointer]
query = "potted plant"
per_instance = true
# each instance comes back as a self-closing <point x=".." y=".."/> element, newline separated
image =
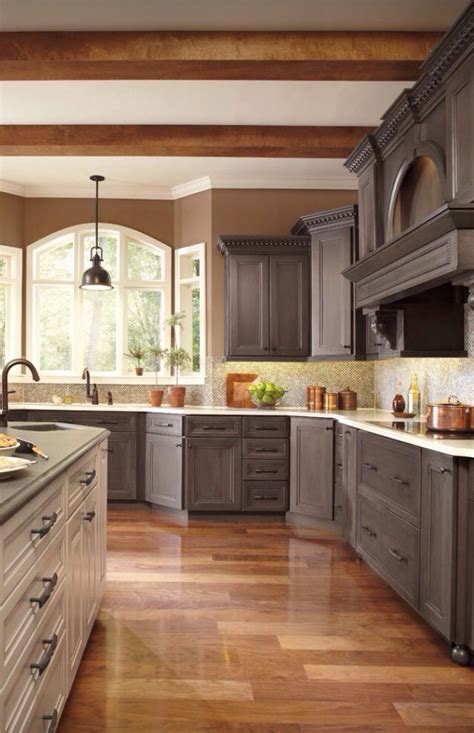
<point x="137" y="353"/>
<point x="176" y="358"/>
<point x="155" y="395"/>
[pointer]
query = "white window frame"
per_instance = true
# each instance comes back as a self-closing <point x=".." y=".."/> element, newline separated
<point x="79" y="232"/>
<point x="179" y="280"/>
<point x="14" y="281"/>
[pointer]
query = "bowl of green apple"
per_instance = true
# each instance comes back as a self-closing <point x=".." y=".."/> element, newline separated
<point x="265" y="395"/>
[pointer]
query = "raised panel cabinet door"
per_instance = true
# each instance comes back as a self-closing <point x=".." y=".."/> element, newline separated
<point x="289" y="305"/>
<point x="349" y="485"/>
<point x="90" y="517"/>
<point x="163" y="471"/>
<point x="312" y="467"/>
<point x="470" y="602"/>
<point x="438" y="540"/>
<point x="75" y="592"/>
<point x="460" y="102"/>
<point x="122" y="467"/>
<point x="247" y="303"/>
<point x="331" y="291"/>
<point x="213" y="474"/>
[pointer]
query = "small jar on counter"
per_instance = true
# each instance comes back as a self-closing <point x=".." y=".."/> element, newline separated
<point x="319" y="392"/>
<point x="330" y="400"/>
<point x="347" y="399"/>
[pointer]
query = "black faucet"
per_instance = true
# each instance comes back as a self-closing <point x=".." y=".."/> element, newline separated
<point x="94" y="395"/>
<point x="5" y="371"/>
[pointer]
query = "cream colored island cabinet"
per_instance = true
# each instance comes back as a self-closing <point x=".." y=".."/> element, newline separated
<point x="52" y="572"/>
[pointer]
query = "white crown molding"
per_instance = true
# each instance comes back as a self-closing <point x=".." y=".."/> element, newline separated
<point x="129" y="191"/>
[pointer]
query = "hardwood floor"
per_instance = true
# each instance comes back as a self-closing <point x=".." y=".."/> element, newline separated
<point x="251" y="626"/>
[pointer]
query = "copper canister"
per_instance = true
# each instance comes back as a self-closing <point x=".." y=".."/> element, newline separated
<point x="310" y="398"/>
<point x="330" y="400"/>
<point x="347" y="399"/>
<point x="319" y="392"/>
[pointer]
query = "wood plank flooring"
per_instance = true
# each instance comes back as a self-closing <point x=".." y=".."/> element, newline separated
<point x="251" y="626"/>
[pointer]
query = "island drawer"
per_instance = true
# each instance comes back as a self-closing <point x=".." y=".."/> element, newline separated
<point x="214" y="425"/>
<point x="261" y="470"/>
<point x="391" y="546"/>
<point x="277" y="426"/>
<point x="52" y="695"/>
<point x="261" y="496"/>
<point x="27" y="605"/>
<point x="391" y="470"/>
<point x="82" y="477"/>
<point x="164" y="424"/>
<point x="265" y="448"/>
<point x="25" y="536"/>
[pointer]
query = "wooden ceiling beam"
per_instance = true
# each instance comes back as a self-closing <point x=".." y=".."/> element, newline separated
<point x="181" y="140"/>
<point x="286" y="55"/>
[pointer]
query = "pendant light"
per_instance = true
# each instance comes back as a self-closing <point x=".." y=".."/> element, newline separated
<point x="96" y="277"/>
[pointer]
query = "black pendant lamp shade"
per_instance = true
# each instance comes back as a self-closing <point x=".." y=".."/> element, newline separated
<point x="96" y="277"/>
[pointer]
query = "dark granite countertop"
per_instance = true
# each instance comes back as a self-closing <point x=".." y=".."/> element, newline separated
<point x="64" y="447"/>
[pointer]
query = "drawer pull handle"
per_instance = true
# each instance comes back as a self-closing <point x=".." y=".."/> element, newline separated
<point x="442" y="469"/>
<point x="51" y="584"/>
<point x="164" y="425"/>
<point x="89" y="516"/>
<point x="90" y="477"/>
<point x="399" y="480"/>
<point x="214" y="427"/>
<point x="397" y="555"/>
<point x="106" y="422"/>
<point x="107" y="450"/>
<point x="338" y="506"/>
<point x="49" y="524"/>
<point x="339" y="465"/>
<point x="53" y="718"/>
<point x="47" y="657"/>
<point x="179" y="445"/>
<point x="266" y="470"/>
<point x="369" y="531"/>
<point x="347" y="432"/>
<point x="259" y="428"/>
<point x="266" y="450"/>
<point x="263" y="497"/>
<point x="331" y="429"/>
<point x="369" y="466"/>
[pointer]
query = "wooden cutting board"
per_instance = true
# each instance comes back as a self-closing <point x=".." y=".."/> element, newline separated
<point x="236" y="389"/>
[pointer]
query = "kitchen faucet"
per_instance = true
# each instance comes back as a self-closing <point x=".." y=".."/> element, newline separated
<point x="5" y="371"/>
<point x="94" y="395"/>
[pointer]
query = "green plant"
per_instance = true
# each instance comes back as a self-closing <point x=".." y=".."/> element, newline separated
<point x="175" y="321"/>
<point x="157" y="354"/>
<point x="177" y="358"/>
<point x="137" y="352"/>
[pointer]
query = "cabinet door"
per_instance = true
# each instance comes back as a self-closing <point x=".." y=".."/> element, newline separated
<point x="470" y="602"/>
<point x="438" y="537"/>
<point x="289" y="305"/>
<point x="247" y="327"/>
<point x="90" y="517"/>
<point x="102" y="513"/>
<point x="75" y="592"/>
<point x="163" y="472"/>
<point x="312" y="471"/>
<point x="213" y="474"/>
<point x="331" y="291"/>
<point x="349" y="484"/>
<point x="122" y="466"/>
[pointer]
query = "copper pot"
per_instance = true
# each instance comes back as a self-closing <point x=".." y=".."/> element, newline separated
<point x="451" y="416"/>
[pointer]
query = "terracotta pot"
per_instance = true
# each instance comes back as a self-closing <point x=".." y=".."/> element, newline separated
<point x="155" y="396"/>
<point x="176" y="396"/>
<point x="139" y="371"/>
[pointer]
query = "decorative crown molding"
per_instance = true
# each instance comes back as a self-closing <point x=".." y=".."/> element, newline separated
<point x="326" y="219"/>
<point x="365" y="151"/>
<point x="228" y="243"/>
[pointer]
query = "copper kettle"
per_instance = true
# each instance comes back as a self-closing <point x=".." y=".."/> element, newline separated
<point x="451" y="416"/>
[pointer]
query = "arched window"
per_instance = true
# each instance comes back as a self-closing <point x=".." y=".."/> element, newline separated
<point x="70" y="328"/>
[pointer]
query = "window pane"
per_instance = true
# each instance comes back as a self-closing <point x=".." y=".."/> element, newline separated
<point x="100" y="330"/>
<point x="109" y="243"/>
<point x="54" y="319"/>
<point x="4" y="266"/>
<point x="196" y="329"/>
<point x="143" y="263"/>
<point x="57" y="261"/>
<point x="3" y="323"/>
<point x="196" y="267"/>
<point x="144" y="322"/>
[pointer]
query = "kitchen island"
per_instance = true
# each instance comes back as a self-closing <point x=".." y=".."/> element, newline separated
<point x="52" y="570"/>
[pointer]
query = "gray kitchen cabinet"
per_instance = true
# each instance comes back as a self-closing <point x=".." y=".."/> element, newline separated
<point x="122" y="467"/>
<point x="289" y="305"/>
<point x="164" y="470"/>
<point x="470" y="600"/>
<point x="247" y="304"/>
<point x="213" y="474"/>
<point x="312" y="467"/>
<point x="438" y="541"/>
<point x="349" y="484"/>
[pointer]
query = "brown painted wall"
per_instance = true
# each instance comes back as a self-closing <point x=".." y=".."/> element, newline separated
<point x="44" y="216"/>
<point x="11" y="220"/>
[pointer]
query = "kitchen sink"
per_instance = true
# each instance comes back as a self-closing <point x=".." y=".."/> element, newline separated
<point x="45" y="427"/>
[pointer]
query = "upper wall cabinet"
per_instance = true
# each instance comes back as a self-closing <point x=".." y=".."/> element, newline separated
<point x="267" y="299"/>
<point x="333" y="249"/>
<point x="416" y="180"/>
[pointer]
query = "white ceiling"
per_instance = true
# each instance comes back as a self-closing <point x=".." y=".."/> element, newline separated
<point x="196" y="102"/>
<point x="228" y="14"/>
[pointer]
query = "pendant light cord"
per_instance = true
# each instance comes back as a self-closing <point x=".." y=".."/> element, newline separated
<point x="96" y="215"/>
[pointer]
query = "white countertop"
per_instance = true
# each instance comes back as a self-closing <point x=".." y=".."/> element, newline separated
<point x="460" y="446"/>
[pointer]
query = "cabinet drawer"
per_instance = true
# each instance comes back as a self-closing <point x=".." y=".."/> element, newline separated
<point x="27" y="605"/>
<point x="164" y="424"/>
<point x="266" y="448"/>
<point x="27" y="534"/>
<point x="261" y="470"/>
<point x="82" y="477"/>
<point x="49" y="703"/>
<point x="24" y="689"/>
<point x="393" y="471"/>
<point x="266" y="427"/>
<point x="265" y="496"/>
<point x="214" y="425"/>
<point x="391" y="546"/>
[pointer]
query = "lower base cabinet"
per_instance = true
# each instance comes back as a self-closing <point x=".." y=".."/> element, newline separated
<point x="349" y="485"/>
<point x="312" y="470"/>
<point x="470" y="590"/>
<point x="213" y="475"/>
<point x="164" y="471"/>
<point x="122" y="485"/>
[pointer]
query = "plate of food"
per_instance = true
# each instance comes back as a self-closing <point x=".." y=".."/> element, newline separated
<point x="8" y="444"/>
<point x="10" y="465"/>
